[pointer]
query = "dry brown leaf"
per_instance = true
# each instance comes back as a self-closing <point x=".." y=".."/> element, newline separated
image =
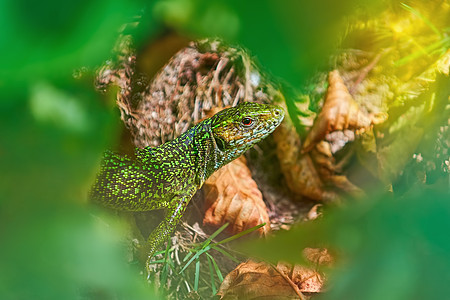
<point x="231" y="195"/>
<point x="339" y="112"/>
<point x="314" y="212"/>
<point x="319" y="256"/>
<point x="259" y="280"/>
<point x="308" y="280"/>
<point x="253" y="280"/>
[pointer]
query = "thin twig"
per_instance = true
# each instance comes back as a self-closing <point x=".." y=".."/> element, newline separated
<point x="365" y="71"/>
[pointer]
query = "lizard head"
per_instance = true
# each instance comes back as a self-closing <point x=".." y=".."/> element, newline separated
<point x="238" y="128"/>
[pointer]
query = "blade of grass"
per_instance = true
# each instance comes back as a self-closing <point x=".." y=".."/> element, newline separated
<point x="211" y="275"/>
<point x="196" y="256"/>
<point x="216" y="267"/>
<point x="171" y="263"/>
<point x="165" y="270"/>
<point x="159" y="261"/>
<point x="226" y="254"/>
<point x="236" y="236"/>
<point x="441" y="43"/>
<point x="422" y="17"/>
<point x="207" y="241"/>
<point x="157" y="253"/>
<point x="197" y="274"/>
<point x="164" y="275"/>
<point x="189" y="255"/>
<point x="166" y="254"/>
<point x="205" y="247"/>
<point x="216" y="233"/>
<point x="188" y="263"/>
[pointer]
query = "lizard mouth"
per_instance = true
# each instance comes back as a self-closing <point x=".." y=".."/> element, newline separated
<point x="220" y="143"/>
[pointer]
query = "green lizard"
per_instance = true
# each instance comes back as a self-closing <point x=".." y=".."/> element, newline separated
<point x="169" y="175"/>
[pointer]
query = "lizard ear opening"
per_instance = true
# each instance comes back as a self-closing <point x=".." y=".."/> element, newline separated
<point x="220" y="143"/>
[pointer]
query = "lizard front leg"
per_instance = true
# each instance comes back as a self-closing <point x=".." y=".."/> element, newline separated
<point x="175" y="211"/>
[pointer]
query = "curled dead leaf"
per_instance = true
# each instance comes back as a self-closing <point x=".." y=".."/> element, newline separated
<point x="231" y="195"/>
<point x="340" y="111"/>
<point x="329" y="171"/>
<point x="299" y="170"/>
<point x="258" y="280"/>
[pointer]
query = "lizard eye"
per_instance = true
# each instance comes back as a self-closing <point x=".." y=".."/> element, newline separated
<point x="247" y="121"/>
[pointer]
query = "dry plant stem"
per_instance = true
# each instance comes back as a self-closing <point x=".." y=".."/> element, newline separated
<point x="365" y="71"/>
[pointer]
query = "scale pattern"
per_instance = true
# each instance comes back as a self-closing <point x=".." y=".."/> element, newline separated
<point x="169" y="175"/>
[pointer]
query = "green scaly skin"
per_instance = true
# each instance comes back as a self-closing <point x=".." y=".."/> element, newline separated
<point x="169" y="175"/>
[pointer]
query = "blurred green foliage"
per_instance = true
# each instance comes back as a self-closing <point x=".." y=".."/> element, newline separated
<point x="53" y="130"/>
<point x="54" y="127"/>
<point x="51" y="39"/>
<point x="291" y="38"/>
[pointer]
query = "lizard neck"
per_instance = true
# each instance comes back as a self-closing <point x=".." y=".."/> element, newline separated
<point x="209" y="157"/>
<point x="193" y="156"/>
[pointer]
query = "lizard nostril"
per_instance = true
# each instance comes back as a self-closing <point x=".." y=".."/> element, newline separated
<point x="277" y="113"/>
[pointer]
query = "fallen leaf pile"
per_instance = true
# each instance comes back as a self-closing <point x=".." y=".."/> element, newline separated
<point x="310" y="168"/>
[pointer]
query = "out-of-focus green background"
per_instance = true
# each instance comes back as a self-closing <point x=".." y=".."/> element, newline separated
<point x="54" y="128"/>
